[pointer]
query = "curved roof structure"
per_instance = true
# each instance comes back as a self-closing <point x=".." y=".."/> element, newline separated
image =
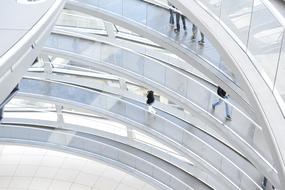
<point x="78" y="85"/>
<point x="28" y="167"/>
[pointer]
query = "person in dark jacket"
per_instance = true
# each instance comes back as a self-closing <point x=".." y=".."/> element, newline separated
<point x="150" y="101"/>
<point x="223" y="95"/>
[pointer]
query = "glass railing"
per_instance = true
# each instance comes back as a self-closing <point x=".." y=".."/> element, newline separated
<point x="156" y="19"/>
<point x="259" y="30"/>
<point x="145" y="69"/>
<point x="68" y="22"/>
<point x="88" y="78"/>
<point x="131" y="160"/>
<point x="76" y="19"/>
<point x="261" y="38"/>
<point x="63" y="72"/>
<point x="139" y="66"/>
<point x="83" y="119"/>
<point x="185" y="140"/>
<point x="68" y="73"/>
<point x="37" y="115"/>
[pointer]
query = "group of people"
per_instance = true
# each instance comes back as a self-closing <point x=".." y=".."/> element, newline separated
<point x="178" y="15"/>
<point x="220" y="92"/>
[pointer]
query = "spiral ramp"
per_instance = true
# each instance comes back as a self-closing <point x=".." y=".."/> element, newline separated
<point x="85" y="93"/>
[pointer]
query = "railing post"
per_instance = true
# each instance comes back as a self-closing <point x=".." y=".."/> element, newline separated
<point x="278" y="64"/>
<point x="60" y="119"/>
<point x="1" y="114"/>
<point x="249" y="27"/>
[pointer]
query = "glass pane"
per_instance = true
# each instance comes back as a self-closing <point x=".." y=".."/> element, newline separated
<point x="158" y="19"/>
<point x="76" y="19"/>
<point x="135" y="10"/>
<point x="265" y="40"/>
<point x="133" y="62"/>
<point x="92" y="2"/>
<point x="23" y="104"/>
<point x="124" y="30"/>
<point x="213" y="6"/>
<point x="237" y="17"/>
<point x="114" y="6"/>
<point x="95" y="123"/>
<point x="111" y="54"/>
<point x="280" y="78"/>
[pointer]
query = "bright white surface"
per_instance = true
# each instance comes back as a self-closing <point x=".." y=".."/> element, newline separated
<point x="50" y="116"/>
<point x="99" y="124"/>
<point x="8" y="38"/>
<point x="34" y="110"/>
<point x="95" y="123"/>
<point x="29" y="168"/>
<point x="16" y="19"/>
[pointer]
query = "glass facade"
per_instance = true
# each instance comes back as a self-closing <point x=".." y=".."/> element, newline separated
<point x="259" y="30"/>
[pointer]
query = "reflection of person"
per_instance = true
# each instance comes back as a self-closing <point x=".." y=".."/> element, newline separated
<point x="202" y="41"/>
<point x="171" y="18"/>
<point x="194" y="34"/>
<point x="223" y="94"/>
<point x="150" y="101"/>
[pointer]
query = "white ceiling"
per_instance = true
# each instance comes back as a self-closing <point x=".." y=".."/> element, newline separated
<point x="16" y="19"/>
<point x="29" y="168"/>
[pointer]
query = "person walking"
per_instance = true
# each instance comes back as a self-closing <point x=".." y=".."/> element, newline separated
<point x="150" y="101"/>
<point x="183" y="18"/>
<point x="223" y="96"/>
<point x="171" y="18"/>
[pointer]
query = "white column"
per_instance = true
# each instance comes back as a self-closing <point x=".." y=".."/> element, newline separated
<point x="47" y="67"/>
<point x="60" y="120"/>
<point x="110" y="30"/>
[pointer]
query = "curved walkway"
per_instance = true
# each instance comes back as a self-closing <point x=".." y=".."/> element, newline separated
<point x="158" y="32"/>
<point x="129" y="41"/>
<point x="163" y="111"/>
<point x="263" y="37"/>
<point x="114" y="64"/>
<point x="182" y="138"/>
